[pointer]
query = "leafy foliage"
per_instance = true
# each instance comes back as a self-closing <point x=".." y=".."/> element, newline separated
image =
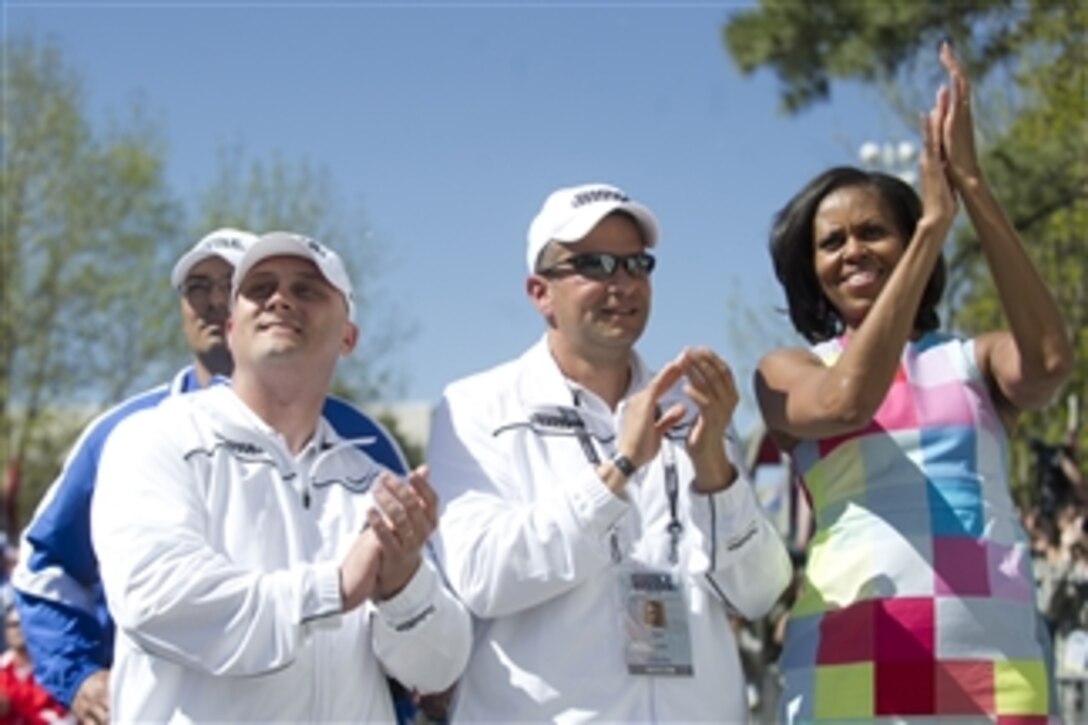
<point x="83" y="216"/>
<point x="275" y="194"/>
<point x="808" y="45"/>
<point x="90" y="230"/>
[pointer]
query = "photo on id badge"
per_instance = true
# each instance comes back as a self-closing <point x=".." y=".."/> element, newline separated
<point x="656" y="625"/>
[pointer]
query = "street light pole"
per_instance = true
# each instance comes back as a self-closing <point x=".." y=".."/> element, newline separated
<point x="895" y="158"/>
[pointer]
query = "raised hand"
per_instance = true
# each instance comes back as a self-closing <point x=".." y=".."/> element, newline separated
<point x="711" y="387"/>
<point x="404" y="517"/>
<point x="643" y="428"/>
<point x="939" y="203"/>
<point x="957" y="131"/>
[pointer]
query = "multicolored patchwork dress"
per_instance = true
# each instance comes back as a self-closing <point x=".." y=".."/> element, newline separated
<point x="917" y="602"/>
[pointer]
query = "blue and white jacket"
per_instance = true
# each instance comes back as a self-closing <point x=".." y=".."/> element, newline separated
<point x="68" y="628"/>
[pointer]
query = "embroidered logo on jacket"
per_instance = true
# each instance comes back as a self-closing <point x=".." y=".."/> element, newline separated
<point x="241" y="450"/>
<point x="355" y="485"/>
<point x="560" y="420"/>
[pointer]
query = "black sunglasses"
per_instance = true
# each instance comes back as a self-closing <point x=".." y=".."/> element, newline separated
<point x="602" y="265"/>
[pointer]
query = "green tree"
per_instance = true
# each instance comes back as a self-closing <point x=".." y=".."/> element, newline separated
<point x="1029" y="61"/>
<point x="89" y="233"/>
<point x="83" y="214"/>
<point x="266" y="195"/>
<point x="809" y="45"/>
<point x="752" y="330"/>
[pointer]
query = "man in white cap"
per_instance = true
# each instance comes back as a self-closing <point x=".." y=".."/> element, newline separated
<point x="580" y="489"/>
<point x="68" y="627"/>
<point x="259" y="566"/>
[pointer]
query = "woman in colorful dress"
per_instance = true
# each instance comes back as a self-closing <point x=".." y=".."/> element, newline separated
<point x="917" y="599"/>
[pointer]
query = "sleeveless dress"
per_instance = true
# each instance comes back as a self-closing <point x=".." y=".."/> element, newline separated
<point x="917" y="602"/>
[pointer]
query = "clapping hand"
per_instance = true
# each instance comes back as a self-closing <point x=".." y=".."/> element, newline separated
<point x="939" y="204"/>
<point x="711" y="387"/>
<point x="404" y="517"/>
<point x="386" y="554"/>
<point x="644" y="425"/>
<point x="957" y="127"/>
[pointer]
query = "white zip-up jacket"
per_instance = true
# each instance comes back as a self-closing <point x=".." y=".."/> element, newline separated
<point x="534" y="542"/>
<point x="220" y="555"/>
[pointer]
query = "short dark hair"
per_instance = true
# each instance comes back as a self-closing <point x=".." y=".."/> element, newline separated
<point x="791" y="247"/>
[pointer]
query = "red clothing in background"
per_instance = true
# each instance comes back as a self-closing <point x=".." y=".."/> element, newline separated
<point x="27" y="703"/>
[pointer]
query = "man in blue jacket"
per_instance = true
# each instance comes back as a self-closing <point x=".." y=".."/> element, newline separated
<point x="58" y="589"/>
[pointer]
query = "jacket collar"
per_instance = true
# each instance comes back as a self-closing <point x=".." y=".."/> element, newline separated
<point x="236" y="425"/>
<point x="543" y="383"/>
<point x="186" y="381"/>
<point x="550" y="398"/>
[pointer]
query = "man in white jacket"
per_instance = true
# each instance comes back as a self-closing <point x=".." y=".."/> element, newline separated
<point x="582" y="491"/>
<point x="258" y="566"/>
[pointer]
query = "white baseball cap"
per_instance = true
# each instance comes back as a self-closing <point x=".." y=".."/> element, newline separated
<point x="278" y="244"/>
<point x="572" y="212"/>
<point x="226" y="243"/>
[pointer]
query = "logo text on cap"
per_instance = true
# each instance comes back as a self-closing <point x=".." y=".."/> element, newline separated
<point x="225" y="243"/>
<point x="595" y="195"/>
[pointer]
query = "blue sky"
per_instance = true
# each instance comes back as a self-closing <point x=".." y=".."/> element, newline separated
<point x="448" y="123"/>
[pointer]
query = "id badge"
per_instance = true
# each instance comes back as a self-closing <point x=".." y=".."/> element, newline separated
<point x="658" y="638"/>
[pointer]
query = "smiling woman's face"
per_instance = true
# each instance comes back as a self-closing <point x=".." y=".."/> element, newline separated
<point x="856" y="245"/>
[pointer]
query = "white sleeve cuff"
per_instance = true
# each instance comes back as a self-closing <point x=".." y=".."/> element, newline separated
<point x="413" y="602"/>
<point x="727" y="519"/>
<point x="595" y="504"/>
<point x="321" y="591"/>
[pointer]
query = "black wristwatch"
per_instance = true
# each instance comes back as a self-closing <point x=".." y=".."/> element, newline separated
<point x="623" y="465"/>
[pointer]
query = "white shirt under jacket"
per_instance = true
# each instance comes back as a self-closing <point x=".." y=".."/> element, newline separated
<point x="527" y="539"/>
<point x="220" y="554"/>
